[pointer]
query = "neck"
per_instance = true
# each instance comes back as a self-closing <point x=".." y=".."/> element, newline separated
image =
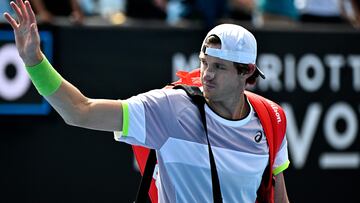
<point x="231" y="108"/>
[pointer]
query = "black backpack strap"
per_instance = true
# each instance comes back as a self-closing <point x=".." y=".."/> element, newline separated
<point x="196" y="96"/>
<point x="142" y="194"/>
<point x="198" y="99"/>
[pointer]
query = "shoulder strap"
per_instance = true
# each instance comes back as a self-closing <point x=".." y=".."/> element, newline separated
<point x="273" y="120"/>
<point x="196" y="96"/>
<point x="142" y="194"/>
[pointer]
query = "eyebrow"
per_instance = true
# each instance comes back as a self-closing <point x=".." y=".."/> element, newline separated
<point x="202" y="58"/>
<point x="220" y="64"/>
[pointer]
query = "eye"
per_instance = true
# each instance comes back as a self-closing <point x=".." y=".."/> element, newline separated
<point x="219" y="66"/>
<point x="203" y="62"/>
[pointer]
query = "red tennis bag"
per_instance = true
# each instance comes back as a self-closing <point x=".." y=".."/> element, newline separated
<point x="272" y="118"/>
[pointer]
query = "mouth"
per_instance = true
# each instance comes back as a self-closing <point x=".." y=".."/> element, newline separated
<point x="209" y="86"/>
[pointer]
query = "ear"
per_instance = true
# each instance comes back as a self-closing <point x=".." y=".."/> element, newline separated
<point x="250" y="70"/>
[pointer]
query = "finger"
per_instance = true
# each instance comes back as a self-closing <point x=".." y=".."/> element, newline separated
<point x="11" y="21"/>
<point x="21" y="5"/>
<point x="34" y="32"/>
<point x="33" y="28"/>
<point x="17" y="11"/>
<point x="30" y="11"/>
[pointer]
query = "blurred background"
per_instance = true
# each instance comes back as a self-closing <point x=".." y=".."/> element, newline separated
<point x="308" y="49"/>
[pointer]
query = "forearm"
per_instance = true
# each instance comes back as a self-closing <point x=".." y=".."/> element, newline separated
<point x="63" y="96"/>
<point x="78" y="110"/>
<point x="72" y="105"/>
<point x="280" y="193"/>
<point x="69" y="102"/>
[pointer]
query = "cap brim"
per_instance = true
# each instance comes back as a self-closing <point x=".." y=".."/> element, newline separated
<point x="260" y="72"/>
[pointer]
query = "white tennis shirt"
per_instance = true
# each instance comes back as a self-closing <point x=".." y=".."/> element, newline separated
<point x="166" y="120"/>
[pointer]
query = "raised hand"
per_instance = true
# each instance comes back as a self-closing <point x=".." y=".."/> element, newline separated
<point x="26" y="34"/>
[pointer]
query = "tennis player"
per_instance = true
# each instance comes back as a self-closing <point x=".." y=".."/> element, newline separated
<point x="168" y="121"/>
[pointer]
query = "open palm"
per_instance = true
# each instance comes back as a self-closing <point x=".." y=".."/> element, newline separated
<point x="25" y="29"/>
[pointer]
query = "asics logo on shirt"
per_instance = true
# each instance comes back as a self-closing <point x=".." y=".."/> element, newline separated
<point x="258" y="136"/>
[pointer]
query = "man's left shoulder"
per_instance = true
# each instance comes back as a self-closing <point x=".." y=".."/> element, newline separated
<point x="258" y="98"/>
<point x="267" y="109"/>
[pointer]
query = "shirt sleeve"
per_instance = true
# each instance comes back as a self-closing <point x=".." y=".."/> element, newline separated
<point x="148" y="119"/>
<point x="282" y="158"/>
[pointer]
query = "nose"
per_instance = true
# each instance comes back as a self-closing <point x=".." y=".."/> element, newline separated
<point x="208" y="74"/>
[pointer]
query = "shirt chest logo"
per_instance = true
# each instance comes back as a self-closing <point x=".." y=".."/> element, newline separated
<point x="258" y="137"/>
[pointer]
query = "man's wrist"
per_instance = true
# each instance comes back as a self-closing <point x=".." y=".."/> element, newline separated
<point x="45" y="78"/>
<point x="33" y="60"/>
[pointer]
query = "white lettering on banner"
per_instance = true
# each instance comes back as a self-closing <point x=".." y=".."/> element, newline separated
<point x="339" y="160"/>
<point x="301" y="140"/>
<point x="336" y="112"/>
<point x="271" y="65"/>
<point x="354" y="62"/>
<point x="12" y="88"/>
<point x="290" y="79"/>
<point x="306" y="63"/>
<point x="286" y="76"/>
<point x="340" y="141"/>
<point x="335" y="62"/>
<point x="179" y="62"/>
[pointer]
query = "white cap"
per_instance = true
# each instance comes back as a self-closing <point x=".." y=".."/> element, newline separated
<point x="237" y="45"/>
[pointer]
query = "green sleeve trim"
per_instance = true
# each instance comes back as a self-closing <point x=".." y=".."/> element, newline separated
<point x="125" y="127"/>
<point x="44" y="77"/>
<point x="281" y="168"/>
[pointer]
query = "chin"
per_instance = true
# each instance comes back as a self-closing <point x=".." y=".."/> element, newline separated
<point x="208" y="95"/>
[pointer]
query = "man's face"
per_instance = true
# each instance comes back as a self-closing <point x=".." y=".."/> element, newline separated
<point x="220" y="78"/>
